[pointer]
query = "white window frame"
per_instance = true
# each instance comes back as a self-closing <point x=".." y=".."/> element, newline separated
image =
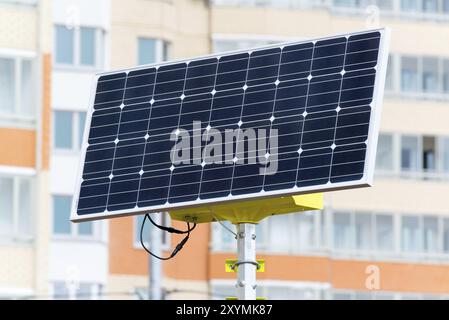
<point x="100" y="36"/>
<point x="18" y="56"/>
<point x="76" y="141"/>
<point x="166" y="243"/>
<point x="74" y="234"/>
<point x="16" y="237"/>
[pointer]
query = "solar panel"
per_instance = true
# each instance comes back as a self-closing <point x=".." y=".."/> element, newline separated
<point x="314" y="107"/>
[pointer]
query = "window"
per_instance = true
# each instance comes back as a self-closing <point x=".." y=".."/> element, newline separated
<point x="384" y="232"/>
<point x="430" y="6"/>
<point x="152" y="51"/>
<point x="64" y="45"/>
<point x="68" y="130"/>
<point x="446" y="235"/>
<point x="409" y="74"/>
<point x="343" y="238"/>
<point x="445" y="6"/>
<point x="430" y="229"/>
<point x="87" y="46"/>
<point x="15" y="208"/>
<point x="446" y="76"/>
<point x="221" y="45"/>
<point x="278" y="239"/>
<point x="78" y="47"/>
<point x="411" y="235"/>
<point x="429" y="147"/>
<point x="16" y="87"/>
<point x="409" y="153"/>
<point x="81" y="291"/>
<point x="409" y="5"/>
<point x="305" y="230"/>
<point x="363" y="231"/>
<point x="6" y="205"/>
<point x="445" y="154"/>
<point x="430" y="75"/>
<point x="63" y="129"/>
<point x="61" y="220"/>
<point x="165" y="221"/>
<point x="384" y="156"/>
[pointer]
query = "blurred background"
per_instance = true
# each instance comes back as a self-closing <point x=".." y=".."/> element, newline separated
<point x="390" y="241"/>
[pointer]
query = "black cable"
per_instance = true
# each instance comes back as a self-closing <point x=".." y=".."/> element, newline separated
<point x="172" y="230"/>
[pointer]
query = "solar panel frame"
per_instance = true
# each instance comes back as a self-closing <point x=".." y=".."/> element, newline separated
<point x="373" y="130"/>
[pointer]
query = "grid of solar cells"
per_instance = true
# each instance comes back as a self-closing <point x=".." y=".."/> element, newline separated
<point x="316" y="94"/>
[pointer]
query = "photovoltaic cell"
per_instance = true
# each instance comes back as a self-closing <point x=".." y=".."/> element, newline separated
<point x="318" y="96"/>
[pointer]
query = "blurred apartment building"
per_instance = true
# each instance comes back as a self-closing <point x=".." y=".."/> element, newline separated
<point x="399" y="227"/>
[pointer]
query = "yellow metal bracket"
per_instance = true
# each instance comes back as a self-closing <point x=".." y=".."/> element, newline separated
<point x="249" y="211"/>
<point x="231" y="265"/>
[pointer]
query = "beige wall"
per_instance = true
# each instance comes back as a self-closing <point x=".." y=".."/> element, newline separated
<point x="17" y="268"/>
<point x="184" y="23"/>
<point x="18" y="27"/>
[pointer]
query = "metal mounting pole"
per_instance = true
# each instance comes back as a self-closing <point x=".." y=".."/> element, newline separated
<point x="155" y="289"/>
<point x="246" y="261"/>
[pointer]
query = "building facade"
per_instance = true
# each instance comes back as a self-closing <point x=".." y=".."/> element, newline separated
<point x="390" y="241"/>
<point x="398" y="229"/>
<point x="25" y="75"/>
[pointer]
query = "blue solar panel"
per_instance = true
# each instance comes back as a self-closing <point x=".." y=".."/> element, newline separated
<point x="319" y="100"/>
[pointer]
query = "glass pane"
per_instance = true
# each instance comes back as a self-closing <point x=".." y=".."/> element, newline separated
<point x="305" y="230"/>
<point x="27" y="89"/>
<point x="260" y="233"/>
<point x="64" y="45"/>
<point x="383" y="296"/>
<point x="385" y="4"/>
<point x="409" y="153"/>
<point x="341" y="296"/>
<point x="409" y="74"/>
<point x="7" y="86"/>
<point x="347" y="3"/>
<point x="84" y="291"/>
<point x="384" y="232"/>
<point x="363" y="231"/>
<point x="411" y="237"/>
<point x="6" y="206"/>
<point x="342" y="231"/>
<point x="147" y="51"/>
<point x="384" y="156"/>
<point x="323" y="229"/>
<point x="279" y="240"/>
<point x="166" y="51"/>
<point x="428" y="158"/>
<point x="446" y="6"/>
<point x="81" y="124"/>
<point x="362" y="295"/>
<point x="61" y="215"/>
<point x="445" y="154"/>
<point x="60" y="290"/>
<point x="25" y="212"/>
<point x="146" y="231"/>
<point x="409" y="5"/>
<point x="446" y="235"/>
<point x="430" y="234"/>
<point x="430" y="6"/>
<point x="85" y="229"/>
<point x="446" y="76"/>
<point x="87" y="46"/>
<point x="430" y="75"/>
<point x="63" y="130"/>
